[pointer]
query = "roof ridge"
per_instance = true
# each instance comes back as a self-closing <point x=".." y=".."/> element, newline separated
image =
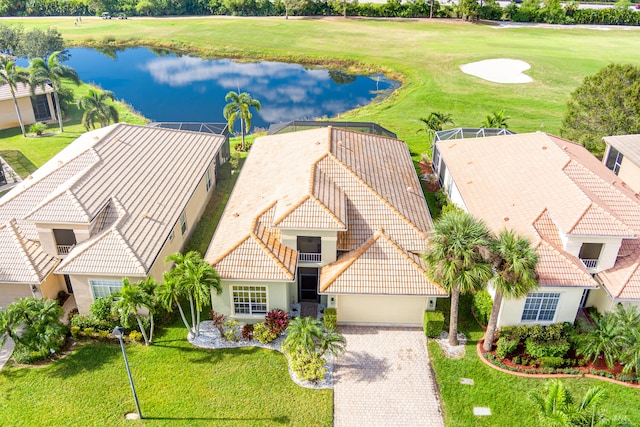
<point x="327" y="210"/>
<point x="254" y="222"/>
<point x="627" y="277"/>
<point x="290" y="210"/>
<point x="131" y="251"/>
<point x="17" y="237"/>
<point x="404" y="253"/>
<point x="580" y="217"/>
<point x="272" y="255"/>
<point x="563" y="256"/>
<point x="353" y="257"/>
<point x="378" y="195"/>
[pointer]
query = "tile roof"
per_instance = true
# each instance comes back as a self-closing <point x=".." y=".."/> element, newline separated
<point x="366" y="271"/>
<point x="623" y="280"/>
<point x="322" y="179"/>
<point x="22" y="91"/>
<point x="560" y="187"/>
<point x="23" y="261"/>
<point x="133" y="181"/>
<point x="628" y="145"/>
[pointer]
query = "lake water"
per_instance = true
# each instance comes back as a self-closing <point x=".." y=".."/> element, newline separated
<point x="168" y="87"/>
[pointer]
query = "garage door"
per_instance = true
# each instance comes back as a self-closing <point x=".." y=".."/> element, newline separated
<point x="381" y="310"/>
<point x="9" y="293"/>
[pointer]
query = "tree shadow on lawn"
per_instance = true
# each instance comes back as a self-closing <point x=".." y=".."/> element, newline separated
<point x="90" y="357"/>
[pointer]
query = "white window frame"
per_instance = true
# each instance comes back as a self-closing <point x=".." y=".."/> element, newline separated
<point x="183" y="223"/>
<point x="245" y="295"/>
<point x="539" y="305"/>
<point x="111" y="286"/>
<point x="207" y="179"/>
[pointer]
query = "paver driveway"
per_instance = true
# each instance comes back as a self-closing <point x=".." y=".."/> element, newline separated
<point x="385" y="379"/>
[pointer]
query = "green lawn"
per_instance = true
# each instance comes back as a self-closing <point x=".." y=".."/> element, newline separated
<point x="505" y="394"/>
<point x="177" y="384"/>
<point x="425" y="54"/>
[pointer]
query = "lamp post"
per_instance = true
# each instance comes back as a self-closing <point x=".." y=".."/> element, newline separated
<point x="118" y="332"/>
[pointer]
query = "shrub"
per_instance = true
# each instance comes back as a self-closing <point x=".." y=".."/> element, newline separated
<point x="330" y="318"/>
<point x="263" y="334"/>
<point x="433" y="323"/>
<point x="87" y="321"/>
<point x="277" y="321"/>
<point x="88" y="332"/>
<point x="218" y="321"/>
<point x="307" y="366"/>
<point x="101" y="309"/>
<point x="231" y="330"/>
<point x="74" y="312"/>
<point x="505" y="347"/>
<point x="75" y="331"/>
<point x="37" y="128"/>
<point x="551" y="362"/>
<point x="247" y="332"/>
<point x="103" y="335"/>
<point x="482" y="304"/>
<point x="135" y="336"/>
<point x="516" y="360"/>
<point x="540" y="349"/>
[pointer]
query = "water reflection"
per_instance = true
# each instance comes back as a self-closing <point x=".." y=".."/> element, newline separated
<point x="184" y="88"/>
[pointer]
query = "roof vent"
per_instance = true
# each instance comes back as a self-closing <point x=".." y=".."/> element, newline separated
<point x="614" y="182"/>
<point x="60" y="162"/>
<point x="30" y="177"/>
<point x="409" y="189"/>
<point x="544" y="147"/>
<point x="470" y="163"/>
<point x="236" y="215"/>
<point x="144" y="215"/>
<point x="469" y="182"/>
<point x="505" y="218"/>
<point x="565" y="148"/>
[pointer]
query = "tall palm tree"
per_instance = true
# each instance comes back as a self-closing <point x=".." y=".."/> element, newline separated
<point x="194" y="278"/>
<point x="169" y="293"/>
<point x="514" y="275"/>
<point x="97" y="109"/>
<point x="129" y="299"/>
<point x="456" y="259"/>
<point x="148" y="287"/>
<point x="436" y="121"/>
<point x="52" y="71"/>
<point x="12" y="75"/>
<point x="302" y="333"/>
<point x="239" y="107"/>
<point x="497" y="119"/>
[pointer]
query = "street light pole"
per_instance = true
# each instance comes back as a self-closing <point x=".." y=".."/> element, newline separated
<point x="118" y="332"/>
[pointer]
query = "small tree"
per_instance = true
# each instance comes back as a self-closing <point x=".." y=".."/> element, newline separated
<point x="239" y="107"/>
<point x="435" y="121"/>
<point x="97" y="109"/>
<point x="302" y="333"/>
<point x="601" y="340"/>
<point x="497" y="119"/>
<point x="128" y="300"/>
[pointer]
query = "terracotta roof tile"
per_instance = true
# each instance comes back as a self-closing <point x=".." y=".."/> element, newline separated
<point x="557" y="268"/>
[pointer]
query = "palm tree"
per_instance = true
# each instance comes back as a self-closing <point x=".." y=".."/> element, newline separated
<point x="194" y="278"/>
<point x="170" y="293"/>
<point x="302" y="333"/>
<point x="496" y="119"/>
<point x="148" y="287"/>
<point x="239" y="107"/>
<point x="97" y="109"/>
<point x="455" y="259"/>
<point x="514" y="275"/>
<point x="130" y="297"/>
<point x="556" y="408"/>
<point x="332" y="341"/>
<point x="602" y="339"/>
<point x="52" y="71"/>
<point x="435" y="122"/>
<point x="11" y="75"/>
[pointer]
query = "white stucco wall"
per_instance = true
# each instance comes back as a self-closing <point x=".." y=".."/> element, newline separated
<point x="511" y="310"/>
<point x="329" y="243"/>
<point x="608" y="255"/>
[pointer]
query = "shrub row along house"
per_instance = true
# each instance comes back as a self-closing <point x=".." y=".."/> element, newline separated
<point x="583" y="220"/>
<point x="326" y="215"/>
<point x="112" y="204"/>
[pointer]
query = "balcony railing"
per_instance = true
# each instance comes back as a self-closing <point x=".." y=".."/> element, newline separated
<point x="589" y="263"/>
<point x="309" y="257"/>
<point x="64" y="249"/>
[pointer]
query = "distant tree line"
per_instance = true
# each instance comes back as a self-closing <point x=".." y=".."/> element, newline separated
<point x="36" y="43"/>
<point x="548" y="11"/>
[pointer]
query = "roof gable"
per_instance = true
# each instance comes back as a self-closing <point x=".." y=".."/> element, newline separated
<point x="23" y="261"/>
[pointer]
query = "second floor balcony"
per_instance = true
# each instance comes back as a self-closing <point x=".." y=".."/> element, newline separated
<point x="309" y="257"/>
<point x="64" y="250"/>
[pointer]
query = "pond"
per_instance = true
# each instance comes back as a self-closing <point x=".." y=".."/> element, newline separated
<point x="164" y="86"/>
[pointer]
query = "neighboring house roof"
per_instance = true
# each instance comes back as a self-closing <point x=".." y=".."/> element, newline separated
<point x="23" y="91"/>
<point x="538" y="185"/>
<point x="129" y="183"/>
<point x="628" y="145"/>
<point x="323" y="179"/>
<point x="23" y="261"/>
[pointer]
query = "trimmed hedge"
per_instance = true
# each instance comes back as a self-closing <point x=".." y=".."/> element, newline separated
<point x="330" y="318"/>
<point x="433" y="323"/>
<point x="505" y="346"/>
<point x="544" y="349"/>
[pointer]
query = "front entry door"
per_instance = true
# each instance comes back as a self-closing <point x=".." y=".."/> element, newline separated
<point x="308" y="284"/>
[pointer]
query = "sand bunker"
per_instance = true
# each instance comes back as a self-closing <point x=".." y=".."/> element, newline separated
<point x="499" y="70"/>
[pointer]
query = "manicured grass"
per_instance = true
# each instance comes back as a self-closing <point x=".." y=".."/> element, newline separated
<point x="177" y="384"/>
<point x="425" y="54"/>
<point x="506" y="395"/>
<point x="27" y="154"/>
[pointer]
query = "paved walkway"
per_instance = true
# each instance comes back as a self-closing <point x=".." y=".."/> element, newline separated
<point x="5" y="352"/>
<point x="385" y="379"/>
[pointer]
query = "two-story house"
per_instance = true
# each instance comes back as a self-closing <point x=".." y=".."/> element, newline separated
<point x="114" y="203"/>
<point x="583" y="221"/>
<point x="329" y="216"/>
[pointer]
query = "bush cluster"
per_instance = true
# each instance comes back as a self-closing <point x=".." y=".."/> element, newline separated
<point x="307" y="366"/>
<point x="263" y="334"/>
<point x="330" y="318"/>
<point x="482" y="304"/>
<point x="552" y="341"/>
<point x="433" y="323"/>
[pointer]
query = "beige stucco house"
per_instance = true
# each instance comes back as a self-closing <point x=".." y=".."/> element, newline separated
<point x="583" y="221"/>
<point x="328" y="216"/>
<point x="622" y="156"/>
<point x="39" y="108"/>
<point x="112" y="204"/>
